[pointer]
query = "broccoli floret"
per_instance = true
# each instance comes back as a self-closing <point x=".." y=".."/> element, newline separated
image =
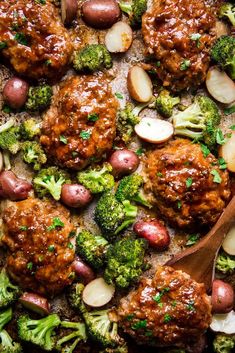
<point x="78" y="334"/>
<point x="225" y="263"/>
<point x="129" y="189"/>
<point x="91" y="248"/>
<point x="7" y="345"/>
<point x="97" y="179"/>
<point x="49" y="181"/>
<point x="127" y="118"/>
<point x="9" y="137"/>
<point x="39" y="332"/>
<point x="165" y="103"/>
<point x="199" y="121"/>
<point x="39" y="98"/>
<point x="5" y="317"/>
<point x="135" y="10"/>
<point x="125" y="261"/>
<point x="33" y="154"/>
<point x="113" y="216"/>
<point x="223" y="343"/>
<point x="29" y="129"/>
<point x="223" y="53"/>
<point x="99" y="326"/>
<point x="91" y="58"/>
<point x="227" y="11"/>
<point x="9" y="293"/>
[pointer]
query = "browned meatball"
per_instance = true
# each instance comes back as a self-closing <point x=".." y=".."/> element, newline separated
<point x="179" y="34"/>
<point x="79" y="127"/>
<point x="170" y="309"/>
<point x="182" y="183"/>
<point x="36" y="42"/>
<point x="40" y="250"/>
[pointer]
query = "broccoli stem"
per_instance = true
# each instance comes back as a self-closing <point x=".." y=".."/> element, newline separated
<point x="6" y="160"/>
<point x="126" y="7"/>
<point x="5" y="317"/>
<point x="10" y="123"/>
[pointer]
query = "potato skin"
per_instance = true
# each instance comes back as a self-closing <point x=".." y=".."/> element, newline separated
<point x="75" y="195"/>
<point x="15" y="92"/>
<point x="124" y="162"/>
<point x="69" y="10"/>
<point x="100" y="14"/>
<point x="35" y="302"/>
<point x="12" y="187"/>
<point x="83" y="271"/>
<point x="222" y="298"/>
<point x="154" y="232"/>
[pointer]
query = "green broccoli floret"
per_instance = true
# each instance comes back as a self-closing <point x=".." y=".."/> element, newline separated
<point x="7" y="345"/>
<point x="97" y="179"/>
<point x="125" y="261"/>
<point x="92" y="57"/>
<point x="33" y="154"/>
<point x="39" y="98"/>
<point x="223" y="343"/>
<point x="49" y="181"/>
<point x="9" y="137"/>
<point x="223" y="53"/>
<point x="9" y="293"/>
<point x="78" y="334"/>
<point x="113" y="216"/>
<point x="29" y="129"/>
<point x="165" y="103"/>
<point x="199" y="121"/>
<point x="135" y="10"/>
<point x="5" y="317"/>
<point x="99" y="326"/>
<point x="127" y="118"/>
<point x="227" y="11"/>
<point x="129" y="189"/>
<point x="39" y="332"/>
<point x="225" y="263"/>
<point x="91" y="248"/>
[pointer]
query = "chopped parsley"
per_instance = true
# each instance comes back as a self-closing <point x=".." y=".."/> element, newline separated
<point x="130" y="317"/>
<point x="189" y="182"/>
<point x="119" y="95"/>
<point x="205" y="150"/>
<point x="220" y="137"/>
<point x="42" y="2"/>
<point x="190" y="306"/>
<point x="229" y="110"/>
<point x="185" y="65"/>
<point x="167" y="318"/>
<point x="56" y="223"/>
<point x="93" y="117"/>
<point x="23" y="228"/>
<point x="196" y="37"/>
<point x="63" y="139"/>
<point x="139" y="152"/>
<point x="140" y="324"/>
<point x="157" y="63"/>
<point x="3" y="45"/>
<point x="48" y="62"/>
<point x="74" y="154"/>
<point x="232" y="127"/>
<point x="72" y="234"/>
<point x="51" y="248"/>
<point x="179" y="205"/>
<point x="157" y="298"/>
<point x="70" y="245"/>
<point x="174" y="303"/>
<point x="21" y="38"/>
<point x="159" y="174"/>
<point x="217" y="178"/>
<point x="192" y="239"/>
<point x="222" y="163"/>
<point x="85" y="135"/>
<point x="30" y="266"/>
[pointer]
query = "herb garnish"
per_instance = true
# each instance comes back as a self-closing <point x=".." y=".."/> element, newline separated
<point x="3" y="45"/>
<point x="85" y="135"/>
<point x="196" y="37"/>
<point x="51" y="248"/>
<point x="222" y="163"/>
<point x="157" y="298"/>
<point x="185" y="65"/>
<point x="220" y="137"/>
<point x="229" y="110"/>
<point x="217" y="178"/>
<point x="63" y="139"/>
<point x="119" y="95"/>
<point x="192" y="239"/>
<point x="139" y="152"/>
<point x="70" y="245"/>
<point x="189" y="182"/>
<point x="55" y="223"/>
<point x="167" y="318"/>
<point x="205" y="150"/>
<point x="30" y="266"/>
<point x="159" y="174"/>
<point x="93" y="117"/>
<point x="23" y="228"/>
<point x="140" y="324"/>
<point x="21" y="38"/>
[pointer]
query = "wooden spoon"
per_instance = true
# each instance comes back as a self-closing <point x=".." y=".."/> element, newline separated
<point x="199" y="260"/>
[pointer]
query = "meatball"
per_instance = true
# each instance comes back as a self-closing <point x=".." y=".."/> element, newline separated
<point x="184" y="185"/>
<point x="79" y="127"/>
<point x="36" y="42"/>
<point x="170" y="309"/>
<point x="38" y="235"/>
<point x="179" y="34"/>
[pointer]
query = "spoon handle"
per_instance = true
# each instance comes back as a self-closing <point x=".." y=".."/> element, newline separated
<point x="199" y="260"/>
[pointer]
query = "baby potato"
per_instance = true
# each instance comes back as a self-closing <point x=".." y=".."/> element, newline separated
<point x="124" y="162"/>
<point x="139" y="84"/>
<point x="75" y="195"/>
<point x="15" y="92"/>
<point x="227" y="152"/>
<point x="69" y="9"/>
<point x="12" y="187"/>
<point x="83" y="271"/>
<point x="35" y="302"/>
<point x="100" y="14"/>
<point x="222" y="298"/>
<point x="154" y="232"/>
<point x="119" y="38"/>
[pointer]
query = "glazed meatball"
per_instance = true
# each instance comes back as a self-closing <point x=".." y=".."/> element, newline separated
<point x="79" y="127"/>
<point x="36" y="42"/>
<point x="179" y="35"/>
<point x="170" y="309"/>
<point x="38" y="236"/>
<point x="184" y="184"/>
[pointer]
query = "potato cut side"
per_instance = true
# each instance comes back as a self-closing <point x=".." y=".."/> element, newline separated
<point x="35" y="302"/>
<point x="154" y="130"/>
<point x="139" y="84"/>
<point x="220" y="86"/>
<point x="98" y="293"/>
<point x="223" y="323"/>
<point x="119" y="38"/>
<point x="69" y="10"/>
<point x="229" y="242"/>
<point x="227" y="151"/>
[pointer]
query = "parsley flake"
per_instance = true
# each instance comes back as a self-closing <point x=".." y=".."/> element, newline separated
<point x="222" y="163"/>
<point x="3" y="45"/>
<point x="51" y="248"/>
<point x="93" y="117"/>
<point x="63" y="139"/>
<point x="140" y="324"/>
<point x="167" y="318"/>
<point x="229" y="110"/>
<point x="70" y="245"/>
<point x="119" y="95"/>
<point x="55" y="223"/>
<point x="205" y="150"/>
<point x="23" y="228"/>
<point x="85" y="135"/>
<point x="189" y="182"/>
<point x="139" y="152"/>
<point x="185" y="65"/>
<point x="159" y="174"/>
<point x="196" y="37"/>
<point x="217" y="178"/>
<point x="21" y="38"/>
<point x="30" y="266"/>
<point x="179" y="205"/>
<point x="232" y="127"/>
<point x="192" y="239"/>
<point x="220" y="137"/>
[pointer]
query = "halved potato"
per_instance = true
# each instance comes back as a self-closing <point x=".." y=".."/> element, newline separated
<point x="139" y="84"/>
<point x="35" y="302"/>
<point x="97" y="293"/>
<point x="119" y="38"/>
<point x="220" y="85"/>
<point x="224" y="323"/>
<point x="229" y="242"/>
<point x="227" y="151"/>
<point x="154" y="130"/>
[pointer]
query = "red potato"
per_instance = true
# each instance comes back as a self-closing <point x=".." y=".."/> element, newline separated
<point x="139" y="84"/>
<point x="222" y="298"/>
<point x="100" y="14"/>
<point x="83" y="271"/>
<point x="12" y="187"/>
<point x="119" y="37"/>
<point x="124" y="162"/>
<point x="220" y="85"/>
<point x="35" y="302"/>
<point x="69" y="9"/>
<point x="75" y="195"/>
<point x="15" y="92"/>
<point x="154" y="232"/>
<point x="154" y="130"/>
